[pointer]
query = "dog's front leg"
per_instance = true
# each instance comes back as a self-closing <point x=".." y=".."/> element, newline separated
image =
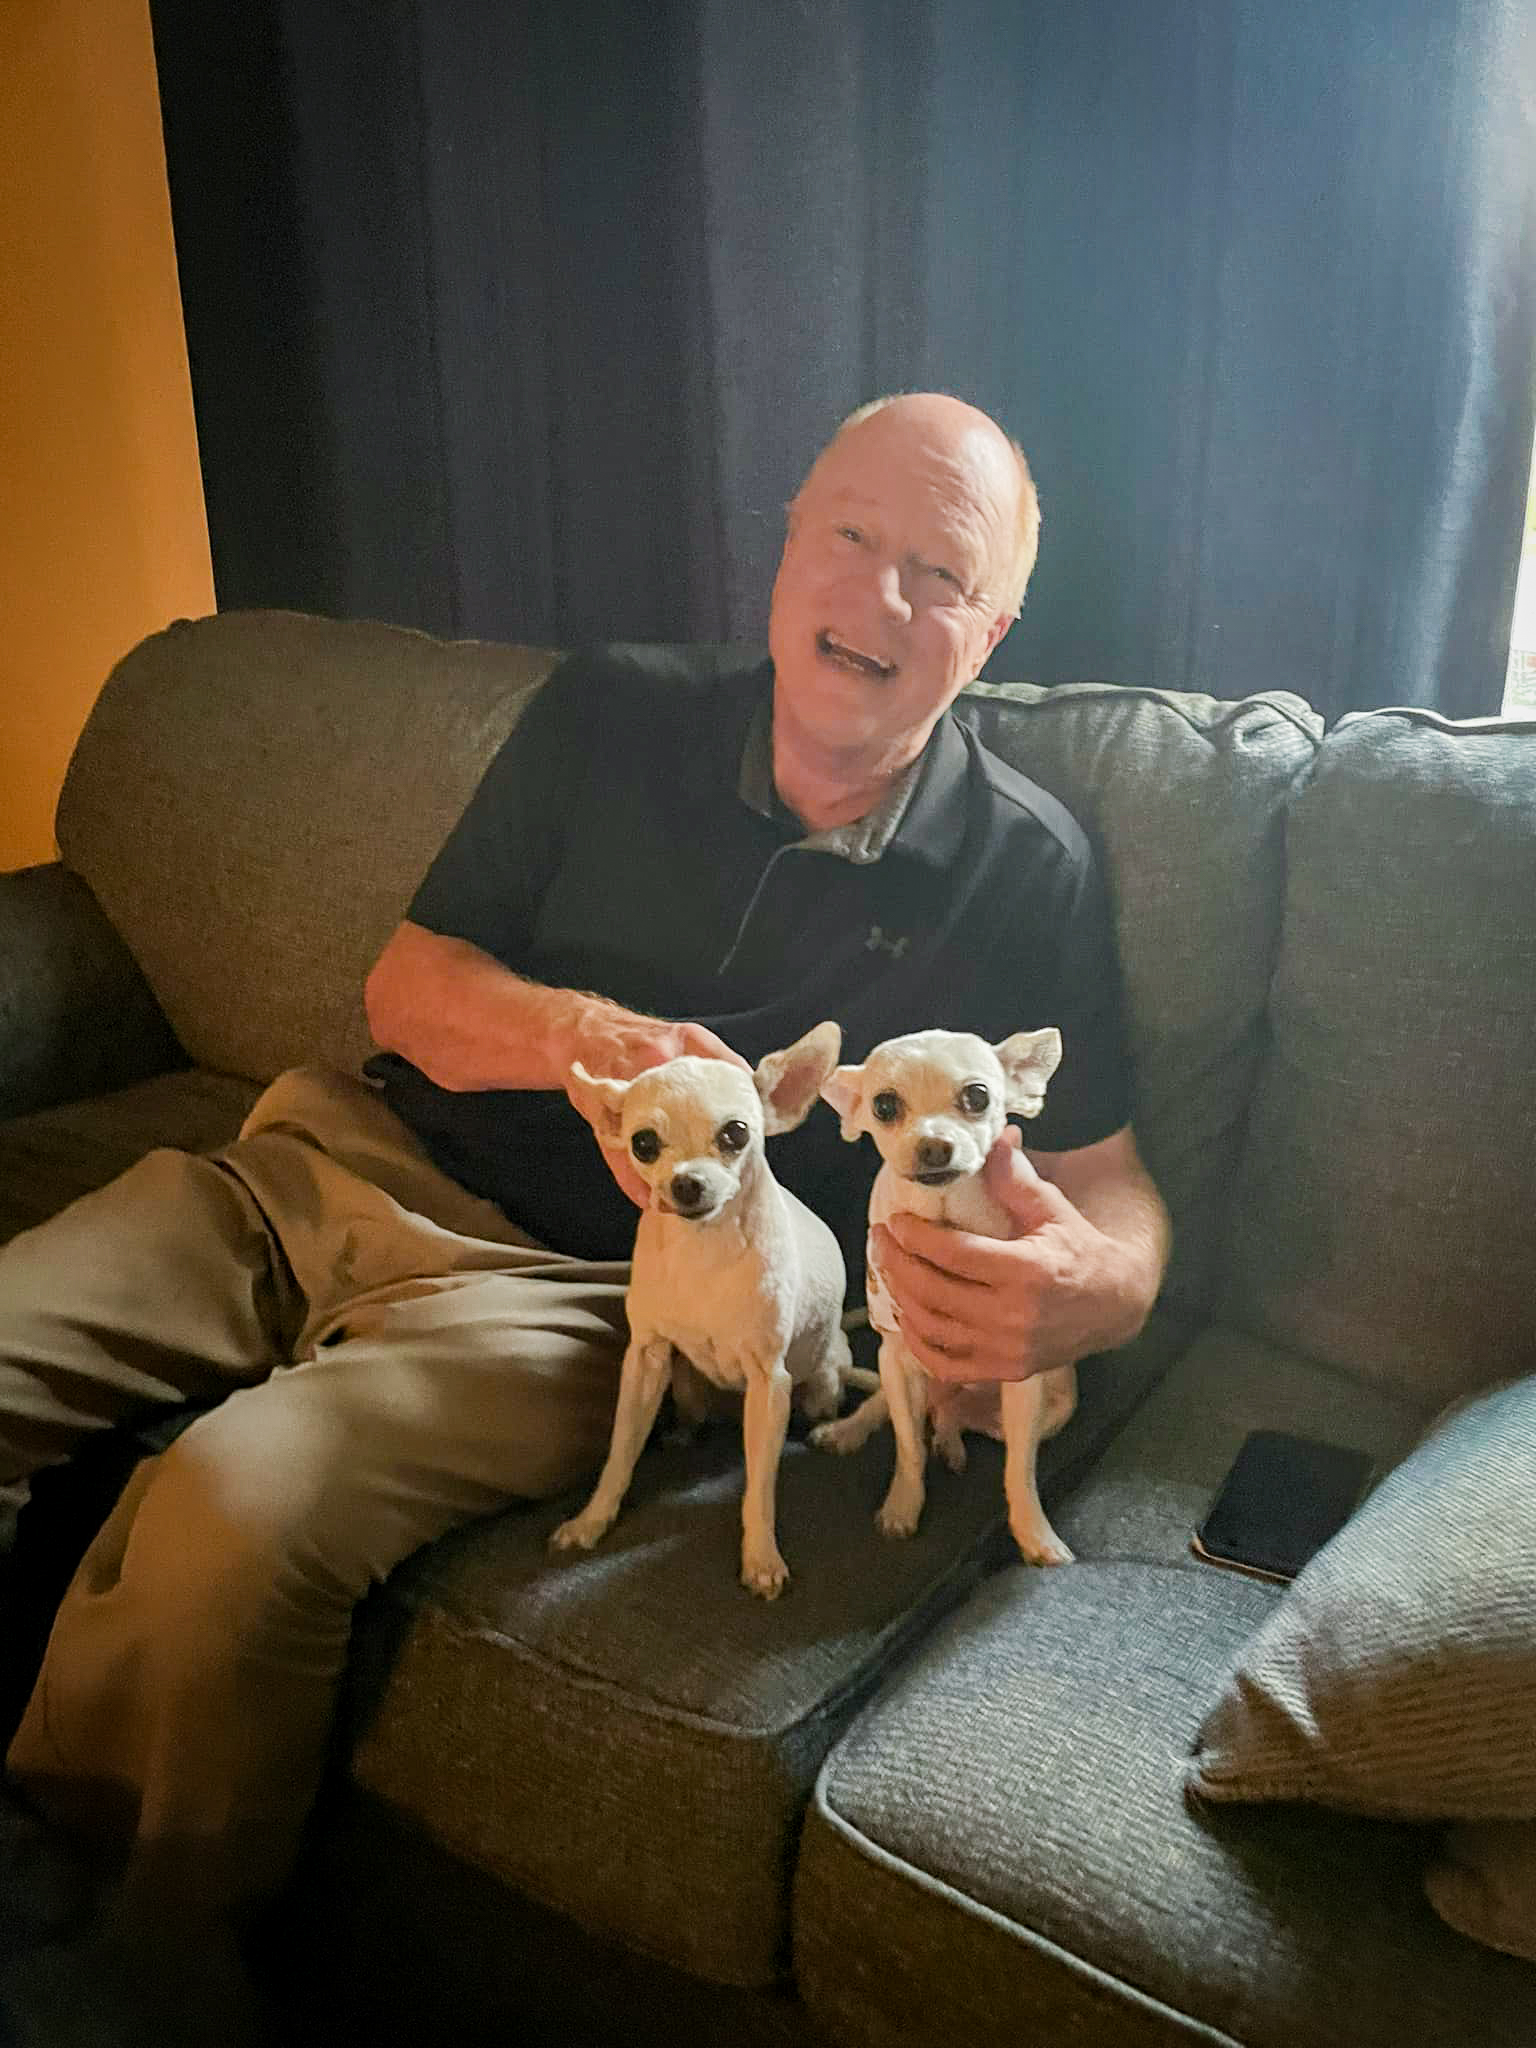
<point x="1024" y="1403"/>
<point x="642" y="1382"/>
<point x="906" y="1394"/>
<point x="851" y="1432"/>
<point x="764" y="1422"/>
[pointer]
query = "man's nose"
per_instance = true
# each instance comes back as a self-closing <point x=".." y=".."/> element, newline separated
<point x="893" y="597"/>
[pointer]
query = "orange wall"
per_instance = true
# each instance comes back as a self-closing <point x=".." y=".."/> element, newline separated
<point x="102" y="532"/>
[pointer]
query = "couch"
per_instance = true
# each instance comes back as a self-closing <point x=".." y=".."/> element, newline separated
<point x="931" y="1795"/>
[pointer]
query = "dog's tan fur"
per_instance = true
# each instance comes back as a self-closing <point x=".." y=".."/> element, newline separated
<point x="746" y="1289"/>
<point x="926" y="1073"/>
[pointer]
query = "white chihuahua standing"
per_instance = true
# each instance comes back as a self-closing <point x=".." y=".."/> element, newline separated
<point x="730" y="1270"/>
<point x="935" y="1102"/>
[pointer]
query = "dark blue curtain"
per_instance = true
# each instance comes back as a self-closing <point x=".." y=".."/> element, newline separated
<point x="523" y="320"/>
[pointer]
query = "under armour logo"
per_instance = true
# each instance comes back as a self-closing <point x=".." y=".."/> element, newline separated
<point x="877" y="942"/>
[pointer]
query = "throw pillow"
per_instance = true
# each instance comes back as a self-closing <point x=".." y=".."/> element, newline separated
<point x="1397" y="1676"/>
<point x="1486" y="1884"/>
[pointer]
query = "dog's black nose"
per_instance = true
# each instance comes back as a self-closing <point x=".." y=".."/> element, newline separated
<point x="687" y="1190"/>
<point x="934" y="1154"/>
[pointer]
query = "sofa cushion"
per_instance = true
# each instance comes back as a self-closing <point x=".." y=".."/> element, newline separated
<point x="1154" y="1483"/>
<point x="1184" y="796"/>
<point x="50" y="1157"/>
<point x="1397" y="1675"/>
<point x="254" y="799"/>
<point x="631" y="1738"/>
<point x="76" y="1016"/>
<point x="985" y="1892"/>
<point x="253" y="803"/>
<point x="1000" y="1850"/>
<point x="1384" y="1212"/>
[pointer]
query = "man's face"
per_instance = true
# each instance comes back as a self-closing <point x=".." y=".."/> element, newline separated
<point x="887" y="600"/>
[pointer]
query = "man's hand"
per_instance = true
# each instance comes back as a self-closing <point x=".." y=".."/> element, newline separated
<point x="616" y="1044"/>
<point x="983" y="1308"/>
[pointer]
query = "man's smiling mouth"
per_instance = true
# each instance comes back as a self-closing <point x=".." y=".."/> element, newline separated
<point x="853" y="658"/>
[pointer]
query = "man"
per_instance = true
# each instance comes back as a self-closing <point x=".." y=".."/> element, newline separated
<point x="412" y="1293"/>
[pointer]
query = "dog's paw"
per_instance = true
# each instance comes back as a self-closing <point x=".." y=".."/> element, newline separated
<point x="837" y="1436"/>
<point x="764" y="1572"/>
<point x="581" y="1532"/>
<point x="898" y="1518"/>
<point x="821" y="1395"/>
<point x="950" y="1446"/>
<point x="1039" y="1544"/>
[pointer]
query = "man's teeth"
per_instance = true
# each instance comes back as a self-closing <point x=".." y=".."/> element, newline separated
<point x="852" y="657"/>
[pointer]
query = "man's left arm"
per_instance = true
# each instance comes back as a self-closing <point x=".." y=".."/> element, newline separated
<point x="1079" y="1274"/>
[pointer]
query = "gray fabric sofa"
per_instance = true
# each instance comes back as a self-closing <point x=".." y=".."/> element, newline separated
<point x="931" y="1795"/>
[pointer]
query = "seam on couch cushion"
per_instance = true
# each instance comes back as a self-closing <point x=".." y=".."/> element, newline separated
<point x="1292" y="709"/>
<point x="1417" y="714"/>
<point x="950" y="1896"/>
<point x="945" y="1590"/>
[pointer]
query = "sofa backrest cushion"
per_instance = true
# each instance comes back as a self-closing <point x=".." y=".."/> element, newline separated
<point x="1387" y="1217"/>
<point x="256" y="796"/>
<point x="253" y="801"/>
<point x="1184" y="797"/>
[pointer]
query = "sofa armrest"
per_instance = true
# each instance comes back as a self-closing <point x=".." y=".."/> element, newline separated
<point x="76" y="1015"/>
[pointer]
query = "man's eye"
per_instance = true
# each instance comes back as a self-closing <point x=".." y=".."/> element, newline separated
<point x="887" y="1106"/>
<point x="853" y="533"/>
<point x="646" y="1146"/>
<point x="732" y="1137"/>
<point x="975" y="1097"/>
<point x="944" y="575"/>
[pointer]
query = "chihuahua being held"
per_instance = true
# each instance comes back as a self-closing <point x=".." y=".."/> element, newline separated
<point x="935" y="1102"/>
<point x="731" y="1271"/>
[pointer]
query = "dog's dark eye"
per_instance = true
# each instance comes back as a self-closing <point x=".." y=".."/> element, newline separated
<point x="733" y="1136"/>
<point x="887" y="1106"/>
<point x="646" y="1146"/>
<point x="975" y="1098"/>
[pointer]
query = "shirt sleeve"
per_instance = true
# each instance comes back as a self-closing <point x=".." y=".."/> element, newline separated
<point x="490" y="875"/>
<point x="1089" y="1097"/>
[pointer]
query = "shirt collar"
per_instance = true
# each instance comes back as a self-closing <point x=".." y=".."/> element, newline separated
<point x="922" y="814"/>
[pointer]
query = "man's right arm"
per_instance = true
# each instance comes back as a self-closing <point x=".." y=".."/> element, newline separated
<point x="469" y="1023"/>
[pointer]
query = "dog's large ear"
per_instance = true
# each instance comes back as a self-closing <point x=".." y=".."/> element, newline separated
<point x="1028" y="1061"/>
<point x="600" y="1102"/>
<point x="789" y="1081"/>
<point x="845" y="1091"/>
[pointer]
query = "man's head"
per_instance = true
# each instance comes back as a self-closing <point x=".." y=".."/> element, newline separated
<point x="909" y="546"/>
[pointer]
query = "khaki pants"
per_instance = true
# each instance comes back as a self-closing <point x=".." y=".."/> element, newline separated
<point x="395" y="1358"/>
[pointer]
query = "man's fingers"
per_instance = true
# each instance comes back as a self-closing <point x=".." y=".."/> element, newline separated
<point x="948" y="1367"/>
<point x="623" y="1169"/>
<point x="935" y="1246"/>
<point x="701" y="1040"/>
<point x="919" y="1279"/>
<point x="620" y="1044"/>
<point x="1012" y="1181"/>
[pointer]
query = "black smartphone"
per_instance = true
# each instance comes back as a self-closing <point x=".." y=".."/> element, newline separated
<point x="1280" y="1502"/>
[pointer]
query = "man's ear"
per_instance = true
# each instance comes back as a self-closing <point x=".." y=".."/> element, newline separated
<point x="600" y="1102"/>
<point x="995" y="632"/>
<point x="788" y="1081"/>
<point x="845" y="1091"/>
<point x="1028" y="1059"/>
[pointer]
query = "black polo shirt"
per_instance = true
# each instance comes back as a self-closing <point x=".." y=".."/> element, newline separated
<point x="627" y="840"/>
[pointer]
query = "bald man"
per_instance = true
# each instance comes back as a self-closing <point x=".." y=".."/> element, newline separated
<point x="410" y="1287"/>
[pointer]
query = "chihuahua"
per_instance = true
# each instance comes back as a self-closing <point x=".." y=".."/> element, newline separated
<point x="731" y="1271"/>
<point x="935" y="1102"/>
